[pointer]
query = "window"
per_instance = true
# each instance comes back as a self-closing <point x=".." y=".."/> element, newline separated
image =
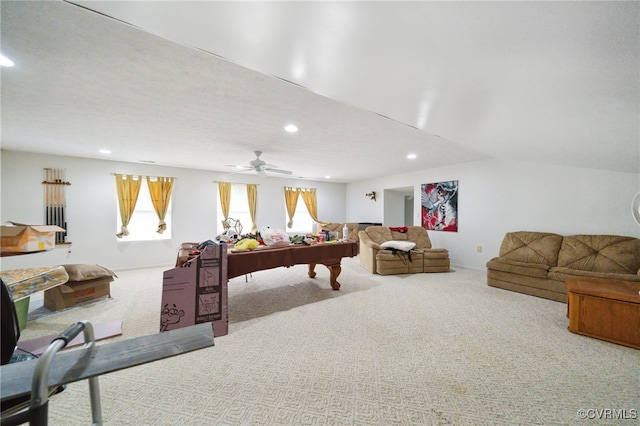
<point x="144" y="221"/>
<point x="302" y="222"/>
<point x="238" y="209"/>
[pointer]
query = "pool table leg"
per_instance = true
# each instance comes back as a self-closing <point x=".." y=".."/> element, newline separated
<point x="334" y="271"/>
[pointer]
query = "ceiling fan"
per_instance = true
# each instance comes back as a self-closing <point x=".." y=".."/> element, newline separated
<point x="261" y="167"/>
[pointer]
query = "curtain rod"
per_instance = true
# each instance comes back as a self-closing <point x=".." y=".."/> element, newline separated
<point x="301" y="189"/>
<point x="236" y="183"/>
<point x="134" y="175"/>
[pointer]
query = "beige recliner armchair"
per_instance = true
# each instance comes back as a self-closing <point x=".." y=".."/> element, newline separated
<point x="422" y="258"/>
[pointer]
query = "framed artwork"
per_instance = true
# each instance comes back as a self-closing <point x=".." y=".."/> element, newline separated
<point x="440" y="206"/>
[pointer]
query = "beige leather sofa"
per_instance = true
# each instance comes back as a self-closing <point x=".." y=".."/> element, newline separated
<point x="378" y="260"/>
<point x="337" y="227"/>
<point x="538" y="263"/>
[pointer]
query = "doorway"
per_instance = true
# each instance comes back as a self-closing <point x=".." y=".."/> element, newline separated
<point x="398" y="206"/>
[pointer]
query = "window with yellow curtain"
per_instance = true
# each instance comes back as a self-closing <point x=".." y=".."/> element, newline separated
<point x="238" y="208"/>
<point x="144" y="220"/>
<point x="301" y="222"/>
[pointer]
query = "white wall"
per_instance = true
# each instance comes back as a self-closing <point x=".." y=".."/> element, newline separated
<point x="408" y="210"/>
<point x="92" y="208"/>
<point x="393" y="202"/>
<point x="496" y="197"/>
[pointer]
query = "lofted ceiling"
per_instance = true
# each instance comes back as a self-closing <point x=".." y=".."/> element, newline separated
<point x="204" y="84"/>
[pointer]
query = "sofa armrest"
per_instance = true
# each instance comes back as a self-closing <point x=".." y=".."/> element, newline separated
<point x="371" y="245"/>
<point x="435" y="250"/>
<point x="368" y="252"/>
<point x="367" y="241"/>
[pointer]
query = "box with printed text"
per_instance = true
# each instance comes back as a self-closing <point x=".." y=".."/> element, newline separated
<point x="196" y="292"/>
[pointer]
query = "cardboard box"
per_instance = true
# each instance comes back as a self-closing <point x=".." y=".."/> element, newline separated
<point x="75" y="292"/>
<point x="21" y="238"/>
<point x="196" y="292"/>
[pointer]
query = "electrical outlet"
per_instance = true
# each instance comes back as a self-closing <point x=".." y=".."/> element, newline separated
<point x="479" y="249"/>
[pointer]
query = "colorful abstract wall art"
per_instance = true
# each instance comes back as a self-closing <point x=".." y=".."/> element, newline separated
<point x="440" y="206"/>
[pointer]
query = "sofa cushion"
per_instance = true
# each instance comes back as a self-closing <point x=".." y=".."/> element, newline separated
<point x="416" y="265"/>
<point x="398" y="262"/>
<point x="540" y="287"/>
<point x="531" y="247"/>
<point x="420" y="236"/>
<point x="436" y="253"/>
<point x="529" y="269"/>
<point x="391" y="267"/>
<point x="379" y="234"/>
<point x="563" y="274"/>
<point x="600" y="253"/>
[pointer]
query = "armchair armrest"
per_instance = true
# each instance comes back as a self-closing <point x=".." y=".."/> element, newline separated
<point x="367" y="241"/>
<point x="368" y="252"/>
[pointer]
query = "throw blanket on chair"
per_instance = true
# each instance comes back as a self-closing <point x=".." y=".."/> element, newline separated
<point x="399" y="248"/>
<point x="402" y="229"/>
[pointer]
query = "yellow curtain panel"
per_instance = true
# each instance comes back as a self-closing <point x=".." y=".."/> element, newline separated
<point x="291" y="200"/>
<point x="310" y="200"/>
<point x="224" y="189"/>
<point x="128" y="188"/>
<point x="252" y="198"/>
<point x="160" y="192"/>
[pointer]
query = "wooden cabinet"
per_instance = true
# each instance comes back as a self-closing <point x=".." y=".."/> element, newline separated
<point x="605" y="309"/>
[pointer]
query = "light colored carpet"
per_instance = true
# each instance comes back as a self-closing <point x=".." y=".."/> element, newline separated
<point x="419" y="349"/>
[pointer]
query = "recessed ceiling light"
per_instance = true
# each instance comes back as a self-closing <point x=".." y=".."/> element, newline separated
<point x="291" y="128"/>
<point x="327" y="177"/>
<point x="411" y="156"/>
<point x="5" y="62"/>
<point x="104" y="151"/>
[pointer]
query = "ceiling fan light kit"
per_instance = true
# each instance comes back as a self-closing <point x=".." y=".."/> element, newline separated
<point x="261" y="167"/>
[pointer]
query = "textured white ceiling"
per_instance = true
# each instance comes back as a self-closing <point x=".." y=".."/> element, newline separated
<point x="204" y="84"/>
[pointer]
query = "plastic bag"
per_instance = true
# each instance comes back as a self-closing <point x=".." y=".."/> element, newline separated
<point x="274" y="237"/>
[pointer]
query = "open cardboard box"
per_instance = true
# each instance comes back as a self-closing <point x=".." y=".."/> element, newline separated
<point x="74" y="293"/>
<point x="21" y="238"/>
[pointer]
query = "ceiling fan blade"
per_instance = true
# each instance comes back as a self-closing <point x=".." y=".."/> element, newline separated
<point x="260" y="167"/>
<point x="284" y="172"/>
<point x="239" y="171"/>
